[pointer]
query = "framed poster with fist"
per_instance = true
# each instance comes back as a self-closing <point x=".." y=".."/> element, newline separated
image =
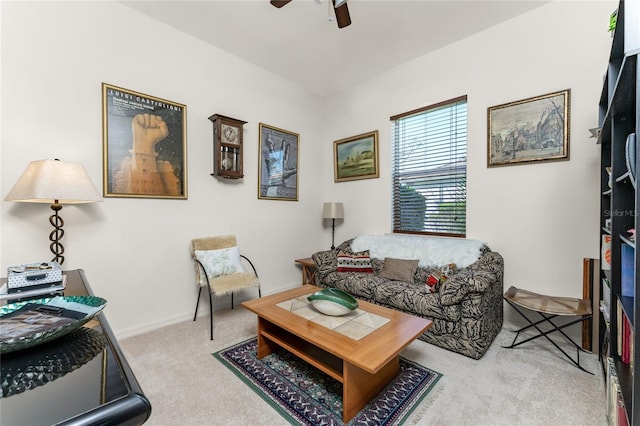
<point x="144" y="145"/>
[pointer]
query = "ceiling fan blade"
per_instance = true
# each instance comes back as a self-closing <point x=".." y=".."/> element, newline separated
<point x="279" y="3"/>
<point x="342" y="14"/>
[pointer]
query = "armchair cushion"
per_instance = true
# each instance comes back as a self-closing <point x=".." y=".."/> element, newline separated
<point x="225" y="261"/>
<point x="226" y="284"/>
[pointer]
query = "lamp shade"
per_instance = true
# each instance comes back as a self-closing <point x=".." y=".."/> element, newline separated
<point x="333" y="211"/>
<point x="50" y="181"/>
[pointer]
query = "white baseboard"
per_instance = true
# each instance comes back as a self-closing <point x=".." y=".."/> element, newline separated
<point x="203" y="311"/>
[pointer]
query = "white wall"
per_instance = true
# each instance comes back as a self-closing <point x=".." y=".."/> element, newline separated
<point x="541" y="217"/>
<point x="135" y="252"/>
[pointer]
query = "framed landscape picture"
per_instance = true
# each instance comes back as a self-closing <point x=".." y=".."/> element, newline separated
<point x="356" y="157"/>
<point x="144" y="145"/>
<point x="530" y="130"/>
<point x="277" y="164"/>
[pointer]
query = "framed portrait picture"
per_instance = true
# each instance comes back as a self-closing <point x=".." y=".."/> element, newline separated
<point x="144" y="145"/>
<point x="278" y="164"/>
<point x="356" y="157"/>
<point x="530" y="130"/>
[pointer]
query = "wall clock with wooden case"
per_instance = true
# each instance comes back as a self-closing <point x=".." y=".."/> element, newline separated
<point x="227" y="146"/>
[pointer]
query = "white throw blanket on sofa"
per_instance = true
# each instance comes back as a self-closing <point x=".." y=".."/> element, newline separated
<point x="430" y="251"/>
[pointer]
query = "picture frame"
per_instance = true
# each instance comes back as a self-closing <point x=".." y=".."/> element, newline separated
<point x="530" y="130"/>
<point x="144" y="145"/>
<point x="356" y="157"/>
<point x="277" y="163"/>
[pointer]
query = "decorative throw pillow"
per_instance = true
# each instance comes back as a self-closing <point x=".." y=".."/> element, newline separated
<point x="399" y="269"/>
<point x="437" y="278"/>
<point x="219" y="262"/>
<point x="356" y="262"/>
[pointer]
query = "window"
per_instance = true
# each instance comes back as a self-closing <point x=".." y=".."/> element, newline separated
<point x="429" y="172"/>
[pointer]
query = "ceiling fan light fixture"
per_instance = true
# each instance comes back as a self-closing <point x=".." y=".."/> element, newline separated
<point x="340" y="9"/>
<point x="279" y="3"/>
<point x="342" y="13"/>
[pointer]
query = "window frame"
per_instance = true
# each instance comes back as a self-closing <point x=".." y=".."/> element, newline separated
<point x="453" y="172"/>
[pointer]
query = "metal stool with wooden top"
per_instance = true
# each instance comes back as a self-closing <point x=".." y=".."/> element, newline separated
<point x="549" y="307"/>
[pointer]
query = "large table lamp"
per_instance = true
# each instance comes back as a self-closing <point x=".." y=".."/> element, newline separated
<point x="333" y="211"/>
<point x="56" y="183"/>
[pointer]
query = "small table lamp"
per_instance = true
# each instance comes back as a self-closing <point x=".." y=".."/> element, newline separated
<point x="333" y="211"/>
<point x="54" y="182"/>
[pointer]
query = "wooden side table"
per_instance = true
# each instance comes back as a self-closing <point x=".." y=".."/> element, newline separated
<point x="308" y="270"/>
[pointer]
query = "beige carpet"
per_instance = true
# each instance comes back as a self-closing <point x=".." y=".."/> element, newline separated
<point x="528" y="385"/>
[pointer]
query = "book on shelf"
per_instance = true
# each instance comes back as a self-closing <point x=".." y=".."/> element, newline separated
<point x="616" y="410"/>
<point x="606" y="293"/>
<point x="619" y="334"/>
<point x="625" y="342"/>
<point x="626" y="333"/>
<point x="605" y="255"/>
<point x="613" y="389"/>
<point x="604" y="350"/>
<point x="605" y="302"/>
<point x="605" y="313"/>
<point x="627" y="272"/>
<point x="622" y="413"/>
<point x="610" y="372"/>
<point x="624" y="337"/>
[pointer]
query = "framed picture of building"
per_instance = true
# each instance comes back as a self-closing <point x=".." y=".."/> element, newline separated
<point x="144" y="145"/>
<point x="356" y="157"/>
<point x="277" y="164"/>
<point x="529" y="131"/>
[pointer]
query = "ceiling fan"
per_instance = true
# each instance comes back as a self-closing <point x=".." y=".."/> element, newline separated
<point x="339" y="6"/>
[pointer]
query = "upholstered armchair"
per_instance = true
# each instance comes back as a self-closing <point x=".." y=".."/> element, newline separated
<point x="219" y="268"/>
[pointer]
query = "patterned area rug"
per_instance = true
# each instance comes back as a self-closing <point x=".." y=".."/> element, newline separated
<point x="305" y="396"/>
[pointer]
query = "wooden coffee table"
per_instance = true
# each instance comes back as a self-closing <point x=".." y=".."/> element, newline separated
<point x="364" y="366"/>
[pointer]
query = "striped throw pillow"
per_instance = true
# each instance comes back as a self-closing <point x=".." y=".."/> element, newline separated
<point x="356" y="262"/>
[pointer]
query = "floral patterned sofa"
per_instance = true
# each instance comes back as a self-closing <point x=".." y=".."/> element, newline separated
<point x="467" y="309"/>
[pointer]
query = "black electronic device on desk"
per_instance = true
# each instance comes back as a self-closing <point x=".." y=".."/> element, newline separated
<point x="78" y="378"/>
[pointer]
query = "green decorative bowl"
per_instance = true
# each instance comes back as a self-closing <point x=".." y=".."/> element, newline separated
<point x="39" y="337"/>
<point x="333" y="301"/>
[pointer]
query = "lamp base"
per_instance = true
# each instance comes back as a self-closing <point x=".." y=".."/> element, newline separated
<point x="333" y="233"/>
<point x="56" y="235"/>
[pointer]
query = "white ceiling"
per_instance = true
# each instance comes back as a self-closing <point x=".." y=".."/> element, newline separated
<point x="299" y="43"/>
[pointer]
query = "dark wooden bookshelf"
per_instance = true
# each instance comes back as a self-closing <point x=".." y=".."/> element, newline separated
<point x="618" y="116"/>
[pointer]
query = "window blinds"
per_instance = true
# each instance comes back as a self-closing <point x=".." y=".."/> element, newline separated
<point x="429" y="170"/>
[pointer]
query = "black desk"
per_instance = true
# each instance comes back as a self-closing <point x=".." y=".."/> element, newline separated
<point x="78" y="379"/>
